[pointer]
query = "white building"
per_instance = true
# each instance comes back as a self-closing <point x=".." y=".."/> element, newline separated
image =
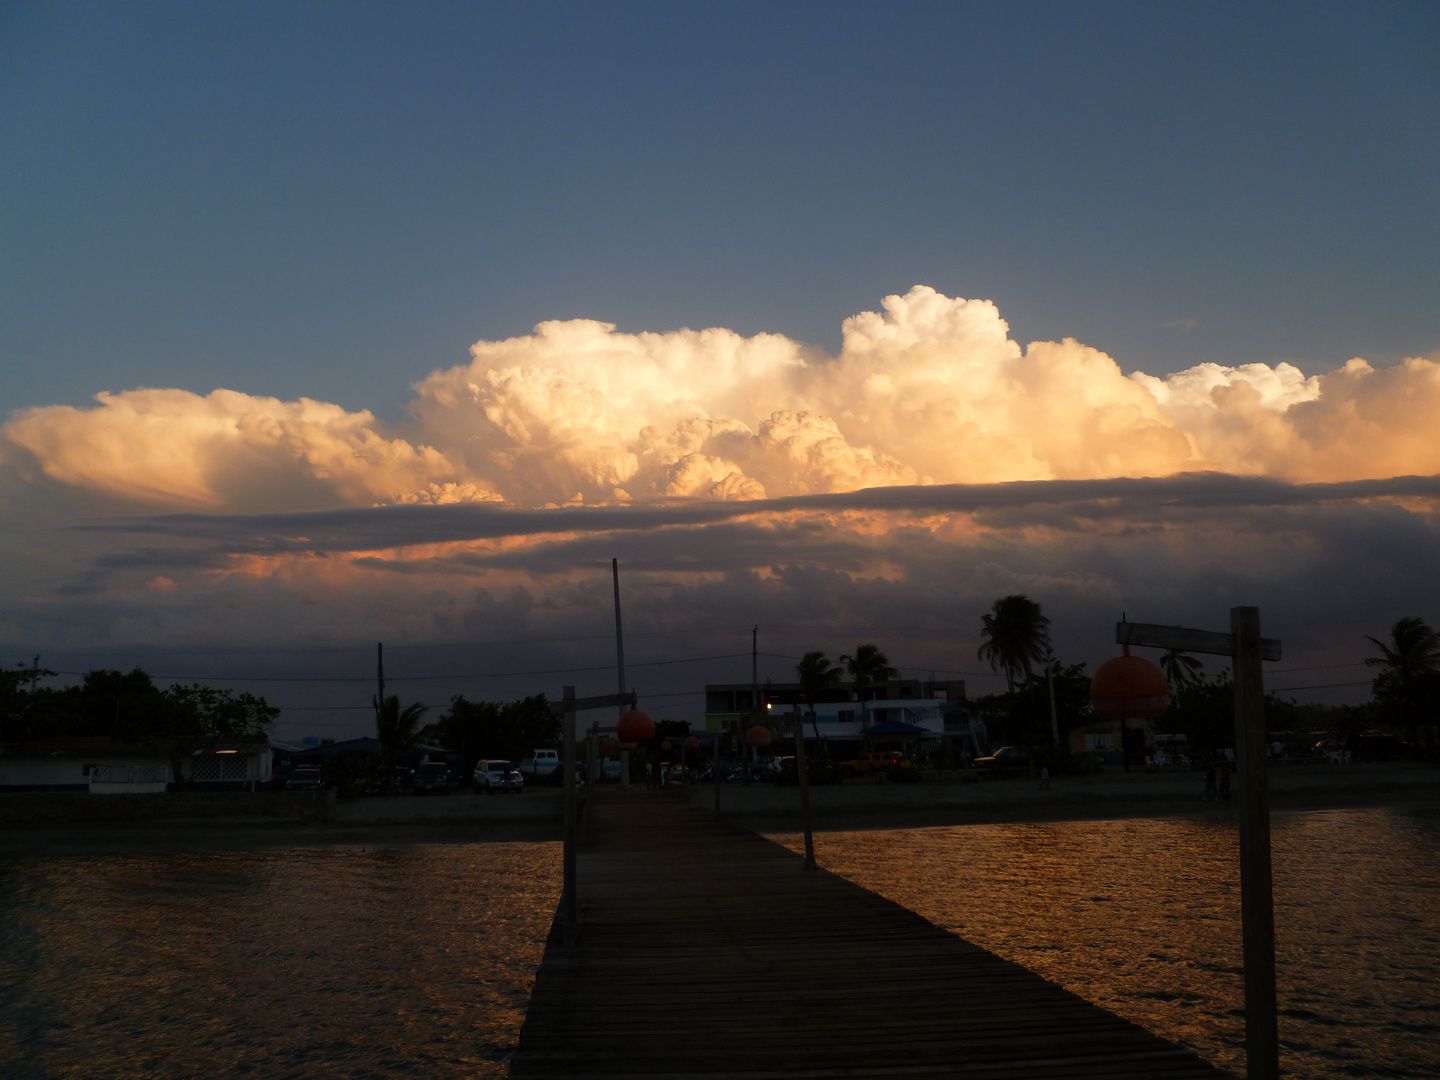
<point x="904" y="709"/>
<point x="104" y="766"/>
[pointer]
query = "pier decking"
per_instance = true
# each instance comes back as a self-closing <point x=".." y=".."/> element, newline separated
<point x="707" y="951"/>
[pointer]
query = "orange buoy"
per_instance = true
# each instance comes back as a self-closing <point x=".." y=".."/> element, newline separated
<point x="692" y="743"/>
<point x="609" y="747"/>
<point x="758" y="736"/>
<point x="635" y="727"/>
<point x="665" y="745"/>
<point x="1129" y="688"/>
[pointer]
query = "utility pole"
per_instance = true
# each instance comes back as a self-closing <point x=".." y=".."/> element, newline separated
<point x="755" y="708"/>
<point x="569" y="908"/>
<point x="620" y="669"/>
<point x="1050" y="684"/>
<point x="379" y="678"/>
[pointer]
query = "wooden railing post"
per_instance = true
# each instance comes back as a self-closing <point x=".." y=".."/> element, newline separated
<point x="569" y="905"/>
<point x="803" y="779"/>
<point x="1257" y="903"/>
<point x="715" y="768"/>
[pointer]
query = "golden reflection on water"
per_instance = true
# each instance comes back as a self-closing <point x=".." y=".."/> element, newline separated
<point x="343" y="962"/>
<point x="1143" y="917"/>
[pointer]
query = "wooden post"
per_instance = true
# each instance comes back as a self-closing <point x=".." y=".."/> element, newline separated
<point x="1257" y="905"/>
<point x="715" y="768"/>
<point x="592" y="780"/>
<point x="569" y="906"/>
<point x="803" y="779"/>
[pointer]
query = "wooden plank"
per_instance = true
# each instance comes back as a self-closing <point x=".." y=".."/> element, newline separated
<point x="709" y="952"/>
<point x="1184" y="639"/>
<point x="601" y="701"/>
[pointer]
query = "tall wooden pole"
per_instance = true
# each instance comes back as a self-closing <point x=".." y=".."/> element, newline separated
<point x="1050" y="685"/>
<point x="569" y="905"/>
<point x="591" y="779"/>
<point x="803" y="779"/>
<point x="380" y="676"/>
<point x="756" y="712"/>
<point x="1257" y="902"/>
<point x="620" y="667"/>
<point x="715" y="768"/>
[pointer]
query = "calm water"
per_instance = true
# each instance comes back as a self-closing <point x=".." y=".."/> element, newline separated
<point x="1143" y="917"/>
<point x="418" y="961"/>
<point x="289" y="963"/>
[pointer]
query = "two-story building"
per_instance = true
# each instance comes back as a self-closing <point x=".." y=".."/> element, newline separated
<point x="920" y="711"/>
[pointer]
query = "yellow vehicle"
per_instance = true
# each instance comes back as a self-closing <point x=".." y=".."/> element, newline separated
<point x="873" y="761"/>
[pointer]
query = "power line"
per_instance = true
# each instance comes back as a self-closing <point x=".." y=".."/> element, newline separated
<point x="427" y="678"/>
<point x="369" y="646"/>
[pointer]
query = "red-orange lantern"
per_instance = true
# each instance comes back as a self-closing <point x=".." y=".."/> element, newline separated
<point x="1129" y="688"/>
<point x="609" y="747"/>
<point x="692" y="743"/>
<point x="635" y="727"/>
<point x="758" y="737"/>
<point x="665" y="745"/>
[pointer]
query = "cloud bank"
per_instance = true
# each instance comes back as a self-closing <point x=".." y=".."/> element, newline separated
<point x="929" y="390"/>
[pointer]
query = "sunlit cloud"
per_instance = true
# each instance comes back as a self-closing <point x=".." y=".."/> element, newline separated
<point x="928" y="390"/>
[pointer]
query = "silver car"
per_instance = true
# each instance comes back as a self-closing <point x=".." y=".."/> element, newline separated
<point x="502" y="776"/>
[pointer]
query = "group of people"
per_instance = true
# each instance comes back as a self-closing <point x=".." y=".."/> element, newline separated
<point x="655" y="776"/>
<point x="1214" y="771"/>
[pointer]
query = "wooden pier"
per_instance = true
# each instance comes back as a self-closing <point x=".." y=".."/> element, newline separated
<point x="708" y="951"/>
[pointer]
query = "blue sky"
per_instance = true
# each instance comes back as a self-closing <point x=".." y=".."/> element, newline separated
<point x="330" y="201"/>
<point x="327" y="200"/>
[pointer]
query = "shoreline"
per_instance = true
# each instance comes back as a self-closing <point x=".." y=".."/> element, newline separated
<point x="760" y="808"/>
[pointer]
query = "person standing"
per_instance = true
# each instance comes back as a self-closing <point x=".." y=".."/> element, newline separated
<point x="1044" y="778"/>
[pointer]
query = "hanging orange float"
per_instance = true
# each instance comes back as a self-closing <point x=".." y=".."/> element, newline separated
<point x="758" y="737"/>
<point x="1129" y="688"/>
<point x="635" y="727"/>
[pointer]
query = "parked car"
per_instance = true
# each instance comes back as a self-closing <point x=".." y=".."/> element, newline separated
<point x="539" y="764"/>
<point x="1007" y="757"/>
<point x="304" y="779"/>
<point x="392" y="781"/>
<point x="1375" y="747"/>
<point x="501" y="776"/>
<point x="432" y="778"/>
<point x="873" y="761"/>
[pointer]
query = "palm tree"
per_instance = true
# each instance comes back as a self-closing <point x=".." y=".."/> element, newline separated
<point x="396" y="730"/>
<point x="867" y="667"/>
<point x="1016" y="636"/>
<point x="815" y="674"/>
<point x="1181" y="669"/>
<point x="1411" y="663"/>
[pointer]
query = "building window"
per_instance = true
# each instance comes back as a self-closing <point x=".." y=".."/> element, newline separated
<point x="847" y="716"/>
<point x="1099" y="741"/>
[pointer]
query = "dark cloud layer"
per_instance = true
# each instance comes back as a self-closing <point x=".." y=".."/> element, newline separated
<point x="399" y="526"/>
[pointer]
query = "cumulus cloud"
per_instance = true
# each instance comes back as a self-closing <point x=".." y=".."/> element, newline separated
<point x="224" y="450"/>
<point x="930" y="389"/>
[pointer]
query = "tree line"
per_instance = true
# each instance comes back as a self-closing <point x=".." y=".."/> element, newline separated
<point x="125" y="705"/>
<point x="1044" y="698"/>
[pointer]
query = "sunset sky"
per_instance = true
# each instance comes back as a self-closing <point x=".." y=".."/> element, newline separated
<point x="327" y="325"/>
